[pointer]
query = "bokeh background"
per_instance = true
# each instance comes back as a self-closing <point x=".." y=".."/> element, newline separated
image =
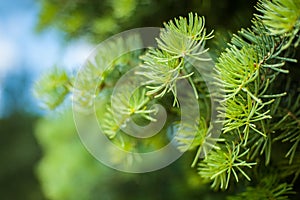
<point x="41" y="155"/>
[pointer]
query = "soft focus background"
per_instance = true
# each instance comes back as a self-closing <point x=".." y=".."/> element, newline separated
<point x="41" y="155"/>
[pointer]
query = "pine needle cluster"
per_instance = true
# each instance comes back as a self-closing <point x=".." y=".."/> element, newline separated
<point x="259" y="99"/>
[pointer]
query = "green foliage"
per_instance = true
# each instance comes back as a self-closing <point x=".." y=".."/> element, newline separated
<point x="288" y="122"/>
<point x="220" y="164"/>
<point x="259" y="107"/>
<point x="177" y="42"/>
<point x="268" y="187"/>
<point x="53" y="88"/>
<point x="248" y="70"/>
<point x="19" y="154"/>
<point x="97" y="20"/>
<point x="67" y="164"/>
<point x="68" y="172"/>
<point x="279" y="192"/>
<point x="186" y="140"/>
<point x="105" y="69"/>
<point x="281" y="17"/>
<point x="184" y="37"/>
<point x="134" y="104"/>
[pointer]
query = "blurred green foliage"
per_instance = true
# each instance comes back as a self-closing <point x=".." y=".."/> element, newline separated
<point x="19" y="152"/>
<point x="98" y="20"/>
<point x="68" y="172"/>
